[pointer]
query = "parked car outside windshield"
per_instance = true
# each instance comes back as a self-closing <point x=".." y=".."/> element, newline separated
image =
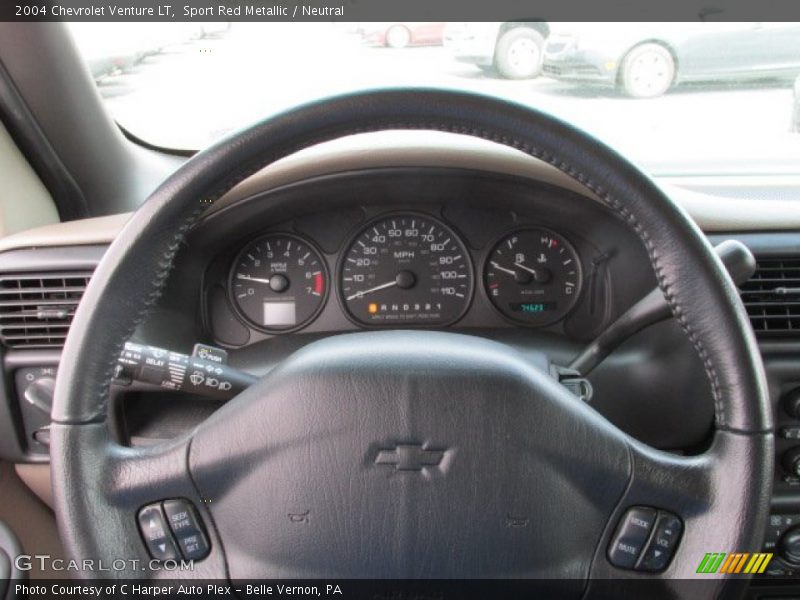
<point x="679" y="98"/>
<point x="402" y="35"/>
<point x="645" y="60"/>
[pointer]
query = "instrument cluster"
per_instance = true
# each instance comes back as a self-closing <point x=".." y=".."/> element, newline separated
<point x="405" y="269"/>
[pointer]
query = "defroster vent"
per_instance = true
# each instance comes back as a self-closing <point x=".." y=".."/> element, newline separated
<point x="36" y="309"/>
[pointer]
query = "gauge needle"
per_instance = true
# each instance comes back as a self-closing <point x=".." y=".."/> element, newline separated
<point x="503" y="269"/>
<point x="370" y="290"/>
<point x="248" y="278"/>
<point x="533" y="272"/>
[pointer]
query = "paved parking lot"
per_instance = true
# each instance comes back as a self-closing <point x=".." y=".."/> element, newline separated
<point x="196" y="91"/>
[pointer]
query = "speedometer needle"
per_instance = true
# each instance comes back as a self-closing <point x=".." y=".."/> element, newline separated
<point x="374" y="289"/>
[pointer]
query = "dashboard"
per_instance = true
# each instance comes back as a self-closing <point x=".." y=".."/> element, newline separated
<point x="405" y="269"/>
<point x="415" y="249"/>
<point x="478" y="223"/>
<point x="534" y="263"/>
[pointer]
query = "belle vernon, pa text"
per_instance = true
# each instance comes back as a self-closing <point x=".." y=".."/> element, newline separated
<point x="221" y="11"/>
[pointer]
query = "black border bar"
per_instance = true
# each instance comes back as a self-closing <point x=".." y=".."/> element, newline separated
<point x="398" y="10"/>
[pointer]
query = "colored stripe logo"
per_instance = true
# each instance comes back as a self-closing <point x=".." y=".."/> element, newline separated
<point x="737" y="562"/>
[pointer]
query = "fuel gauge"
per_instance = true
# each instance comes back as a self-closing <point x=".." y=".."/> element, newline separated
<point x="533" y="276"/>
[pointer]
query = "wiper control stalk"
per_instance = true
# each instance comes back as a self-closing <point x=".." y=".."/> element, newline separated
<point x="205" y="372"/>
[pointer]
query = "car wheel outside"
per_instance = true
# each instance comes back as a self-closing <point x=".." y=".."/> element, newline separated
<point x="518" y="53"/>
<point x="647" y="71"/>
<point x="398" y="36"/>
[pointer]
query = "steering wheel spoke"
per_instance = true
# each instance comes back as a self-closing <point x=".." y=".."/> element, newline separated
<point x="700" y="492"/>
<point x="137" y="476"/>
<point x="125" y="493"/>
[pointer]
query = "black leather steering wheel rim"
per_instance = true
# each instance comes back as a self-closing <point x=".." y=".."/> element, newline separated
<point x="89" y="470"/>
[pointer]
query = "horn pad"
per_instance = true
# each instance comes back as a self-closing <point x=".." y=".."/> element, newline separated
<point x="409" y="454"/>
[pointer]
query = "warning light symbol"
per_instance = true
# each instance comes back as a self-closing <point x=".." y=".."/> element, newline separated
<point x="373" y="308"/>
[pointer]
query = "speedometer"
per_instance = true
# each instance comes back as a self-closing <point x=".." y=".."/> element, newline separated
<point x="406" y="270"/>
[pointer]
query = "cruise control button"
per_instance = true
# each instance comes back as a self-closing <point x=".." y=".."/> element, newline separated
<point x="156" y="536"/>
<point x="181" y="517"/>
<point x="185" y="524"/>
<point x="194" y="546"/>
<point x="163" y="549"/>
<point x="662" y="544"/>
<point x="630" y="537"/>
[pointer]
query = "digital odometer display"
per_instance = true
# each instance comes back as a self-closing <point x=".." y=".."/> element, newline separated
<point x="533" y="276"/>
<point x="406" y="270"/>
<point x="532" y="307"/>
<point x="279" y="282"/>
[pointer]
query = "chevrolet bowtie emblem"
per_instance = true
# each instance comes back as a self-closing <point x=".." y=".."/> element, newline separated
<point x="409" y="457"/>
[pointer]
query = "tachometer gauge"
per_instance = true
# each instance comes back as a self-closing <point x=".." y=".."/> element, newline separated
<point x="533" y="276"/>
<point x="407" y="270"/>
<point x="279" y="282"/>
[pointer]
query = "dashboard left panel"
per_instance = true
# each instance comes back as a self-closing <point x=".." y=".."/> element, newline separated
<point x="39" y="291"/>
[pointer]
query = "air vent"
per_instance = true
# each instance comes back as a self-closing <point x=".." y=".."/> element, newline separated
<point x="772" y="297"/>
<point x="36" y="310"/>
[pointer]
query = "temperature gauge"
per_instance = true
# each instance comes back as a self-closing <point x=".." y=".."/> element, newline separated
<point x="533" y="276"/>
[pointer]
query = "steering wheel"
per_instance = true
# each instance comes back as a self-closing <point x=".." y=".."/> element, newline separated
<point x="414" y="454"/>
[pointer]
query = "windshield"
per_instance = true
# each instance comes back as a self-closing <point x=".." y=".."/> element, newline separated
<point x="678" y="98"/>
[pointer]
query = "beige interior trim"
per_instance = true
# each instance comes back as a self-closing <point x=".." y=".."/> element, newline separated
<point x="83" y="232"/>
<point x="434" y="149"/>
<point x="429" y="149"/>
<point x="401" y="149"/>
<point x="31" y="520"/>
<point x="24" y="200"/>
<point x="37" y="478"/>
<point x="729" y="215"/>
